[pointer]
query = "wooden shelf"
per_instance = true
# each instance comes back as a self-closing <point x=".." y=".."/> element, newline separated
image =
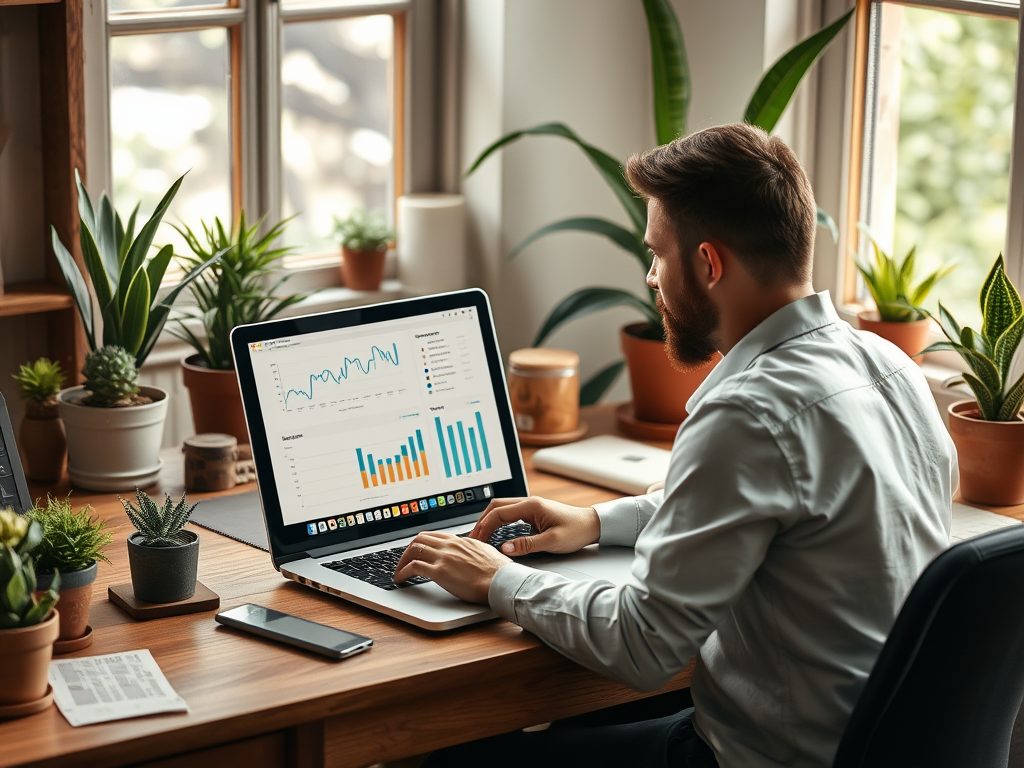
<point x="31" y="298"/>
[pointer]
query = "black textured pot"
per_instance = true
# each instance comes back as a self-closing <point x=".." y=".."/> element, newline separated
<point x="163" y="574"/>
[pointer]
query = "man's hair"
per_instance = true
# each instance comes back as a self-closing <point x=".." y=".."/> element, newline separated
<point x="740" y="186"/>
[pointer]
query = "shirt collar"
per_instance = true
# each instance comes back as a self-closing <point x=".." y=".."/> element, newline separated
<point x="795" y="319"/>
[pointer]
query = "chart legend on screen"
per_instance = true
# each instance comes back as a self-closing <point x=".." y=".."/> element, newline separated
<point x="471" y="440"/>
<point x="408" y="464"/>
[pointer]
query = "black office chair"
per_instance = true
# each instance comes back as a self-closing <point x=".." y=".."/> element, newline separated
<point x="949" y="680"/>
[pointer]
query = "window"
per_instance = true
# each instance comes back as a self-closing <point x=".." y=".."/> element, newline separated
<point x="286" y="108"/>
<point x="937" y="108"/>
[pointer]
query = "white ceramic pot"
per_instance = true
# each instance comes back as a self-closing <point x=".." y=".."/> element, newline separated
<point x="113" y="449"/>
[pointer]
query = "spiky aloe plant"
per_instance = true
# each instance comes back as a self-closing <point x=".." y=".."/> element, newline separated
<point x="159" y="526"/>
<point x="18" y="605"/>
<point x="111" y="377"/>
<point x="990" y="353"/>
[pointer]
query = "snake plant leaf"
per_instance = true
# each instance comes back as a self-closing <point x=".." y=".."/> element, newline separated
<point x="670" y="69"/>
<point x="907" y="269"/>
<point x="984" y="369"/>
<point x="1002" y="304"/>
<point x="622" y="237"/>
<point x="607" y="166"/>
<point x="940" y="346"/>
<point x="773" y="93"/>
<point x="949" y="326"/>
<point x="129" y="235"/>
<point x="106" y="236"/>
<point x="984" y="397"/>
<point x="85" y="210"/>
<point x="598" y="384"/>
<point x="1006" y="346"/>
<point x="1013" y="402"/>
<point x="139" y="249"/>
<point x="75" y="281"/>
<point x="589" y="300"/>
<point x="998" y="267"/>
<point x="94" y="265"/>
<point x="135" y="313"/>
<point x="925" y="286"/>
<point x="827" y="222"/>
<point x="971" y="339"/>
<point x="157" y="267"/>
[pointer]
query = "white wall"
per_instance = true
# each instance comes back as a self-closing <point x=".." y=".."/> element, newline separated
<point x="585" y="63"/>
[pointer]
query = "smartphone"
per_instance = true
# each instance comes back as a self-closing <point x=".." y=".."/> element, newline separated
<point x="308" y="635"/>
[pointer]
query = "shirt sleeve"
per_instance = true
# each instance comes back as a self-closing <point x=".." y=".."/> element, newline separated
<point x="623" y="519"/>
<point x="729" y="491"/>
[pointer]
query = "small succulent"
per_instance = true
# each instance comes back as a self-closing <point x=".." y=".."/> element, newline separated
<point x="72" y="540"/>
<point x="159" y="526"/>
<point x="891" y="284"/>
<point x="363" y="231"/>
<point x="40" y="381"/>
<point x="111" y="377"/>
<point x="18" y="605"/>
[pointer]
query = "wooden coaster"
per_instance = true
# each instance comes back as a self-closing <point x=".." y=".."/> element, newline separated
<point x="123" y="596"/>
<point x="532" y="438"/>
<point x="631" y="426"/>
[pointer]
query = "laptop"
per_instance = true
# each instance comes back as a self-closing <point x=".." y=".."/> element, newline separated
<point x="370" y="425"/>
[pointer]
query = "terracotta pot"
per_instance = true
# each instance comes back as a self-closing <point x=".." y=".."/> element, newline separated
<point x="75" y="599"/>
<point x="910" y="337"/>
<point x="216" y="400"/>
<point x="26" y="654"/>
<point x="991" y="456"/>
<point x="362" y="270"/>
<point x="660" y="391"/>
<point x="44" y="447"/>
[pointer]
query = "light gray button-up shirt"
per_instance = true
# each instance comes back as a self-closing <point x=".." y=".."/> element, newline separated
<point x="807" y="490"/>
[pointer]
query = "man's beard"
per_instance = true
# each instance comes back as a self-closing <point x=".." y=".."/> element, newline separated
<point x="689" y="334"/>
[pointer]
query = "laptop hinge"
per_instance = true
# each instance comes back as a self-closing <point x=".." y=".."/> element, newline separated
<point x="391" y="536"/>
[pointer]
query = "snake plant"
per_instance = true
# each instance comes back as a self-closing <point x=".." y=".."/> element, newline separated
<point x="672" y="88"/>
<point x="990" y="354"/>
<point x="891" y="284"/>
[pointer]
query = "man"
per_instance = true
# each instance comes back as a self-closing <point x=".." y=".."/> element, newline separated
<point x="807" y="490"/>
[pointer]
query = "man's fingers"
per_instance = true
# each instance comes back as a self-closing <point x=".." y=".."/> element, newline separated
<point x="544" y="541"/>
<point x="497" y="515"/>
<point x="416" y="568"/>
<point x="418" y="550"/>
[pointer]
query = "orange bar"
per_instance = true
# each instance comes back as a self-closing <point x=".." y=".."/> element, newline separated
<point x="374" y="478"/>
<point x="391" y="473"/>
<point x="423" y="458"/>
<point x="408" y="469"/>
<point x="383" y="477"/>
<point x="416" y="463"/>
<point x="366" y="483"/>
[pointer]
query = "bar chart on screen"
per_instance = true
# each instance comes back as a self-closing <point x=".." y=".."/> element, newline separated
<point x="408" y="463"/>
<point x="464" y="448"/>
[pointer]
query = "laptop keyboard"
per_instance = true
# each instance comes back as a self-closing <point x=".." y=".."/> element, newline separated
<point x="377" y="568"/>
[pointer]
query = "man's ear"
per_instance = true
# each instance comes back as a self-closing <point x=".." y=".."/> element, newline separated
<point x="709" y="264"/>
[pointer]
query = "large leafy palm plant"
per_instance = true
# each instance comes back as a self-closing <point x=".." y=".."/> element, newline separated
<point x="672" y="88"/>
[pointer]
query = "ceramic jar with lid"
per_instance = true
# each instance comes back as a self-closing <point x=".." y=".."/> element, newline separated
<point x="544" y="386"/>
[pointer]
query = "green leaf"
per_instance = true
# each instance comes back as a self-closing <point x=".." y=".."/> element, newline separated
<point x="589" y="300"/>
<point x="920" y="293"/>
<point x="827" y="222"/>
<point x="1013" y="402"/>
<point x="984" y="369"/>
<point x="129" y="234"/>
<point x="607" y="166"/>
<point x="106" y="237"/>
<point x="94" y="265"/>
<point x="76" y="283"/>
<point x="670" y="69"/>
<point x="139" y="249"/>
<point x="619" y="235"/>
<point x="949" y="326"/>
<point x="157" y="267"/>
<point x="972" y="340"/>
<point x="907" y="269"/>
<point x="85" y="211"/>
<point x="984" y="397"/>
<point x="773" y="93"/>
<point x="940" y="346"/>
<point x="993" y="273"/>
<point x="598" y="384"/>
<point x="135" y="314"/>
<point x="1002" y="304"/>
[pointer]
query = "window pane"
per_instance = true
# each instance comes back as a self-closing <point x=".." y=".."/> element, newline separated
<point x="169" y="113"/>
<point x="336" y="138"/>
<point x="954" y="75"/>
<point x="117" y="6"/>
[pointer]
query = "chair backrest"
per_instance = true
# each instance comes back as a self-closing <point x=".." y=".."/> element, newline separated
<point x="947" y="685"/>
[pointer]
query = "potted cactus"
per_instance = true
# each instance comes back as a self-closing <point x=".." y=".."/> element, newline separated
<point x="114" y="427"/>
<point x="28" y="625"/>
<point x="44" y="448"/>
<point x="364" y="239"/>
<point x="164" y="559"/>
<point x="72" y="546"/>
<point x="988" y="431"/>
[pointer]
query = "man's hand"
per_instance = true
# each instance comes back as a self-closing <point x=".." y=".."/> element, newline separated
<point x="462" y="566"/>
<point x="560" y="527"/>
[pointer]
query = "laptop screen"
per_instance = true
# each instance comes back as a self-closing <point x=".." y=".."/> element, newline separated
<point x="379" y="425"/>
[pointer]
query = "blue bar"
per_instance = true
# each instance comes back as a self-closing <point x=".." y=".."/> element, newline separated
<point x="455" y="451"/>
<point x="465" y="451"/>
<point x="369" y="460"/>
<point x="476" y="453"/>
<point x="419" y="441"/>
<point x="359" y="453"/>
<point x="444" y="451"/>
<point x="404" y="452"/>
<point x="483" y="440"/>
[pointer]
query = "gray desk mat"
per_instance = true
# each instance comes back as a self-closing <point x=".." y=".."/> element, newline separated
<point x="239" y="517"/>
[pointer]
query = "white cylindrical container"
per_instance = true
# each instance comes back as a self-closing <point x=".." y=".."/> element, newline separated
<point x="431" y="241"/>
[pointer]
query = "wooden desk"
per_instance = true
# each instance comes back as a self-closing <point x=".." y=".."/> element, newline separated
<point x="259" y="704"/>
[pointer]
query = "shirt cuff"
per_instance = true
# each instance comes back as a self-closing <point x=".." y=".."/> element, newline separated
<point x="505" y="586"/>
<point x="620" y="522"/>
